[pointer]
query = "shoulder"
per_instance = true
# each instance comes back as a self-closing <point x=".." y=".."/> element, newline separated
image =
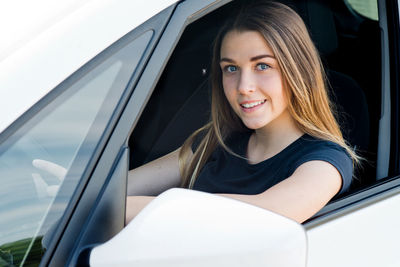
<point x="313" y="149"/>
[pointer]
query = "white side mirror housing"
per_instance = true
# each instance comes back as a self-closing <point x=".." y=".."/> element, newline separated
<point x="189" y="228"/>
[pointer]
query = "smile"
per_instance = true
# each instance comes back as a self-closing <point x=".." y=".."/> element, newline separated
<point x="253" y="104"/>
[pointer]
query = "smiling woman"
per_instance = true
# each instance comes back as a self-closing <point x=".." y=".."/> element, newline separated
<point x="272" y="140"/>
<point x="252" y="81"/>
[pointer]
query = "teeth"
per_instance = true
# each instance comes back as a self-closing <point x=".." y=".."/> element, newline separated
<point x="253" y="104"/>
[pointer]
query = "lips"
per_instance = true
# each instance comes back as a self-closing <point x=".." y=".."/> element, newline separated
<point x="252" y="104"/>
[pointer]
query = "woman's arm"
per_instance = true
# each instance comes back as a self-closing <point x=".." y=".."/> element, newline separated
<point x="302" y="194"/>
<point x="134" y="204"/>
<point x="156" y="176"/>
<point x="298" y="197"/>
<point x="149" y="180"/>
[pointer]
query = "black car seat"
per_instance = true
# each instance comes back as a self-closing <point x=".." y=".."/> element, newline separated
<point x="180" y="102"/>
<point x="345" y="92"/>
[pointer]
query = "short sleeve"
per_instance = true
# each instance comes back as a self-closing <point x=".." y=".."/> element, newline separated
<point x="335" y="155"/>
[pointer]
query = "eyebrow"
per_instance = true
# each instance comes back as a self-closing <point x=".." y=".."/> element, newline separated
<point x="251" y="59"/>
<point x="260" y="57"/>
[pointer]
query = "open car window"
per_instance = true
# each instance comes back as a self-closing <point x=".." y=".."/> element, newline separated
<point x="359" y="86"/>
<point x="180" y="103"/>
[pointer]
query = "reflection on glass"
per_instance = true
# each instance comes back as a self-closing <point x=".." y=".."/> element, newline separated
<point x="367" y="8"/>
<point x="63" y="137"/>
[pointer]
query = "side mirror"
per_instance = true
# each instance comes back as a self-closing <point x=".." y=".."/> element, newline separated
<point x="189" y="228"/>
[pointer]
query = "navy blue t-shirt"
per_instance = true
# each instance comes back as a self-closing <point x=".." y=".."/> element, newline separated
<point x="226" y="173"/>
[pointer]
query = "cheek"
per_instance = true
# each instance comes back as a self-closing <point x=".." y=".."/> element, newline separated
<point x="228" y="84"/>
<point x="281" y="102"/>
<point x="273" y="87"/>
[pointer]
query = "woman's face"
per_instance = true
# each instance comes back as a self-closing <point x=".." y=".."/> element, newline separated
<point x="252" y="80"/>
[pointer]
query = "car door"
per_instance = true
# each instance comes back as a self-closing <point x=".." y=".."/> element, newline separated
<point x="49" y="157"/>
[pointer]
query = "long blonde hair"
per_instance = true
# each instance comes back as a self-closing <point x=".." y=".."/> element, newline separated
<point x="301" y="71"/>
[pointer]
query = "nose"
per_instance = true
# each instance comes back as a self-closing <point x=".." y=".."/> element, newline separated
<point x="246" y="83"/>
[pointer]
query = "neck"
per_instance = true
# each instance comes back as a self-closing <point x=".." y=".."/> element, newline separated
<point x="273" y="138"/>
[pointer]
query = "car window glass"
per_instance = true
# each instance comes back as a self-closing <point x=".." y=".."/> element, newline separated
<point x="367" y="8"/>
<point x="64" y="135"/>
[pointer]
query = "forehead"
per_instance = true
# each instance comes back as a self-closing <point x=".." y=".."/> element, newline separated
<point x="244" y="44"/>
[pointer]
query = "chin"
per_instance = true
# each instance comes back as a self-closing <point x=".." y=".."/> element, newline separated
<point x="254" y="125"/>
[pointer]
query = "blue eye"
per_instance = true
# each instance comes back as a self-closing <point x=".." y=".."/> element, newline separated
<point x="230" y="68"/>
<point x="262" y="66"/>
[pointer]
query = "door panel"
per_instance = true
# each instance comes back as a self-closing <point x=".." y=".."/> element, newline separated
<point x="367" y="236"/>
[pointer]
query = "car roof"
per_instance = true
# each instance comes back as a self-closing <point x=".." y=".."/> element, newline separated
<point x="45" y="41"/>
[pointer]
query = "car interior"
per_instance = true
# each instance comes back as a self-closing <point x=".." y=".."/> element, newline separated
<point x="350" y="48"/>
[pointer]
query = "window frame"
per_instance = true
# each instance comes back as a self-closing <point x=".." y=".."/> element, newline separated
<point x="394" y="47"/>
<point x="389" y="184"/>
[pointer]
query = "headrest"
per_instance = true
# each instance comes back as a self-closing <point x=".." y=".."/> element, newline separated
<point x="319" y="19"/>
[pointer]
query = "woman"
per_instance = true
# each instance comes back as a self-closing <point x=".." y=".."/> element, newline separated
<point x="273" y="140"/>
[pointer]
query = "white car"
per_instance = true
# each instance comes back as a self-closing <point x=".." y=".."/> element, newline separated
<point x="100" y="87"/>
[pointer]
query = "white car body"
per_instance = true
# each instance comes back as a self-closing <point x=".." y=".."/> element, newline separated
<point x="51" y="40"/>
